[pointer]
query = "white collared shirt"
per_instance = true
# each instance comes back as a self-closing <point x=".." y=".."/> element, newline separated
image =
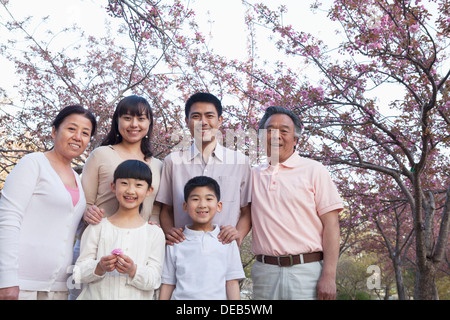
<point x="231" y="169"/>
<point x="200" y="266"/>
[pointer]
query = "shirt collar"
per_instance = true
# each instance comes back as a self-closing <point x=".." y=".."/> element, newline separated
<point x="218" y="152"/>
<point x="291" y="162"/>
<point x="191" y="234"/>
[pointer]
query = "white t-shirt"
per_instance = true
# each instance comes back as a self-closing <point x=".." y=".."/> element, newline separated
<point x="200" y="266"/>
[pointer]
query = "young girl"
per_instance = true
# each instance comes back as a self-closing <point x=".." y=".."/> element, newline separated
<point x="122" y="256"/>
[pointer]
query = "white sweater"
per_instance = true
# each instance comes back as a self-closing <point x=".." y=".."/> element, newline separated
<point x="38" y="223"/>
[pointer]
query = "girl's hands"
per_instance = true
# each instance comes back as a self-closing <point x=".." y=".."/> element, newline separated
<point x="124" y="264"/>
<point x="106" y="264"/>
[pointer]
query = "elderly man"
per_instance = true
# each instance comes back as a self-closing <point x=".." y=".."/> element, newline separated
<point x="295" y="208"/>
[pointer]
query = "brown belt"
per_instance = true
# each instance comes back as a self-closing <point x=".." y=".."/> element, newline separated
<point x="290" y="260"/>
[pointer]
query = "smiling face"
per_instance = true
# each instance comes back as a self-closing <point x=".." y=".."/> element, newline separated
<point x="130" y="193"/>
<point x="202" y="205"/>
<point x="281" y="138"/>
<point x="72" y="136"/>
<point x="133" y="128"/>
<point x="203" y="122"/>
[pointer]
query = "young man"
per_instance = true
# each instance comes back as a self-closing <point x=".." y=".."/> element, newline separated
<point x="206" y="157"/>
<point x="202" y="268"/>
<point x="295" y="208"/>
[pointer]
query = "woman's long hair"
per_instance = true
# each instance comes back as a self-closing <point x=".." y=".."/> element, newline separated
<point x="134" y="106"/>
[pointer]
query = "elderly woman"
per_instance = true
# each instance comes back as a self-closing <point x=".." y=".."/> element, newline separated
<point x="41" y="206"/>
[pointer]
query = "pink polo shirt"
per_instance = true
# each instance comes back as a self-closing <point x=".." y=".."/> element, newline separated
<point x="287" y="200"/>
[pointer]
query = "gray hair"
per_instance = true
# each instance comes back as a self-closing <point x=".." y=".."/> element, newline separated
<point x="280" y="110"/>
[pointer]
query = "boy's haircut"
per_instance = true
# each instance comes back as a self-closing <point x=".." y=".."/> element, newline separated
<point x="203" y="97"/>
<point x="201" y="181"/>
<point x="133" y="169"/>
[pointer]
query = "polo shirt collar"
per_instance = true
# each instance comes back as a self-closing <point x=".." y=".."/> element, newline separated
<point x="192" y="234"/>
<point x="292" y="162"/>
<point x="218" y="152"/>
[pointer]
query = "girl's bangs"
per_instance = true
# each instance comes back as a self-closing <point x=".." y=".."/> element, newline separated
<point x="133" y="169"/>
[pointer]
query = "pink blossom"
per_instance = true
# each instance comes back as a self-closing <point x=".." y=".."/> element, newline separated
<point x="117" y="252"/>
<point x="414" y="28"/>
<point x="375" y="45"/>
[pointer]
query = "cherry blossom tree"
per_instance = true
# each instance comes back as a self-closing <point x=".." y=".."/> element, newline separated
<point x="93" y="72"/>
<point x="391" y="42"/>
<point x="399" y="148"/>
<point x="388" y="160"/>
<point x="393" y="156"/>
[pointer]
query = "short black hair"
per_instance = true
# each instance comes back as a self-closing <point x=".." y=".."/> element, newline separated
<point x="75" y="109"/>
<point x="203" y="97"/>
<point x="133" y="169"/>
<point x="201" y="181"/>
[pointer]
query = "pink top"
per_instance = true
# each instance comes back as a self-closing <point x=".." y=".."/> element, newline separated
<point x="75" y="194"/>
<point x="287" y="200"/>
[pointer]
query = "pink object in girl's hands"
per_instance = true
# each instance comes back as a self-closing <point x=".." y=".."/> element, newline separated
<point x="117" y="252"/>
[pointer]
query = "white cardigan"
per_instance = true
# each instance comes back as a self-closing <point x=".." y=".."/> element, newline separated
<point x="38" y="223"/>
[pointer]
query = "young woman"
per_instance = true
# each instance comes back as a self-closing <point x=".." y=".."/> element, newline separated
<point x="41" y="206"/>
<point x="128" y="138"/>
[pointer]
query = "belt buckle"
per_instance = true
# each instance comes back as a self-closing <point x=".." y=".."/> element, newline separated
<point x="291" y="260"/>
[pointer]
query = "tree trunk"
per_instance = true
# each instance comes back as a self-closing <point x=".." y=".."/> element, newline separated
<point x="425" y="285"/>
<point x="387" y="293"/>
<point x="399" y="281"/>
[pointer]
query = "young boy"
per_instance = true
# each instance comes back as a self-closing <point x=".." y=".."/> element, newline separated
<point x="201" y="267"/>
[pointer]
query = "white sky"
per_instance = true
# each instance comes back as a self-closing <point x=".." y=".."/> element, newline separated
<point x="228" y="30"/>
